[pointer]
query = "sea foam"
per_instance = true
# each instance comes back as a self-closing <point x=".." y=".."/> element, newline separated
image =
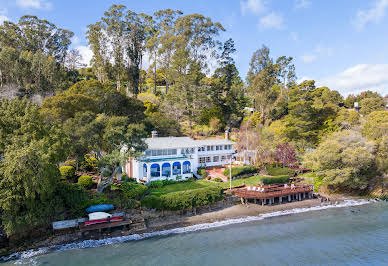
<point x="114" y="240"/>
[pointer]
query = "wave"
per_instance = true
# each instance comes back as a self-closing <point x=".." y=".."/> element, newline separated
<point x="114" y="240"/>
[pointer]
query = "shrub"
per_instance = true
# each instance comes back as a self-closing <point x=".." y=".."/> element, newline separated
<point x="241" y="170"/>
<point x="99" y="199"/>
<point x="275" y="171"/>
<point x="74" y="198"/>
<point x="133" y="190"/>
<point x="275" y="180"/>
<point x="67" y="172"/>
<point x="169" y="182"/>
<point x="90" y="162"/>
<point x="85" y="181"/>
<point x="202" y="172"/>
<point x="155" y="184"/>
<point x="71" y="163"/>
<point x="184" y="199"/>
<point x="218" y="179"/>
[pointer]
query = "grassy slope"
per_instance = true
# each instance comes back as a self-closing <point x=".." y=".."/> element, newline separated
<point x="183" y="186"/>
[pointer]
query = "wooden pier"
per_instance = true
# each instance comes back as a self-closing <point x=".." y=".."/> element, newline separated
<point x="99" y="227"/>
<point x="272" y="194"/>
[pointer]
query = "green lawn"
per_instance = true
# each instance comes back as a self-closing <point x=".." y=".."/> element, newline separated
<point x="253" y="180"/>
<point x="182" y="186"/>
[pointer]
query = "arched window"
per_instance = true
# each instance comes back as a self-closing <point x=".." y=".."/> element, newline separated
<point x="176" y="168"/>
<point x="155" y="170"/>
<point x="144" y="170"/>
<point x="186" y="167"/>
<point x="166" y="170"/>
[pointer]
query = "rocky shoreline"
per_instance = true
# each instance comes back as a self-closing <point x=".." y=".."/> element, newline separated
<point x="147" y="221"/>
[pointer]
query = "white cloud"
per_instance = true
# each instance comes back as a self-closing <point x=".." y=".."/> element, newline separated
<point x="252" y="6"/>
<point x="75" y="40"/>
<point x="359" y="78"/>
<point x="302" y="4"/>
<point x="375" y="14"/>
<point x="294" y="36"/>
<point x="271" y="21"/>
<point x="86" y="54"/>
<point x="309" y="58"/>
<point x="320" y="51"/>
<point x="34" y="4"/>
<point x="3" y="16"/>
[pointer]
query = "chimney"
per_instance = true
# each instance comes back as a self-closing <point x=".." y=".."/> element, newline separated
<point x="154" y="134"/>
<point x="227" y="134"/>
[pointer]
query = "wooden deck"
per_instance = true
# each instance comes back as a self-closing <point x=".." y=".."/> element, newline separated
<point x="83" y="227"/>
<point x="274" y="193"/>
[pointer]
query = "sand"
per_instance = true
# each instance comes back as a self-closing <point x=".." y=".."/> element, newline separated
<point x="240" y="211"/>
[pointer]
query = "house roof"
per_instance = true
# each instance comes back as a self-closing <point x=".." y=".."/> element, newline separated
<point x="182" y="142"/>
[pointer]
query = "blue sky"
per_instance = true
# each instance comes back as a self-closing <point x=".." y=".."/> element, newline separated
<point x="339" y="43"/>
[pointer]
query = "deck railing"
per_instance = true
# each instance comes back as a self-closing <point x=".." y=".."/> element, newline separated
<point x="272" y="191"/>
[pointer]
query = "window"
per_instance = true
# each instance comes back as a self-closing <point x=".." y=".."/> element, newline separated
<point x="144" y="170"/>
<point x="208" y="148"/>
<point x="223" y="158"/>
<point x="221" y="147"/>
<point x="176" y="168"/>
<point x="164" y="152"/>
<point x="216" y="159"/>
<point x="166" y="170"/>
<point x="208" y="160"/>
<point x="230" y="147"/>
<point x="186" y="167"/>
<point x="217" y="148"/>
<point x="201" y="160"/>
<point x="155" y="170"/>
<point x="226" y="147"/>
<point x="202" y="148"/>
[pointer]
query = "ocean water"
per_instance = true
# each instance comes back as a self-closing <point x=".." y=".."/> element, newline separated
<point x="351" y="233"/>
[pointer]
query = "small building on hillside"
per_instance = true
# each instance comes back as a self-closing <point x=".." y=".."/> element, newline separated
<point x="178" y="158"/>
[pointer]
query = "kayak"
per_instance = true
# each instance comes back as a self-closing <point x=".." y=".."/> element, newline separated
<point x="102" y="217"/>
<point x="100" y="208"/>
<point x="99" y="215"/>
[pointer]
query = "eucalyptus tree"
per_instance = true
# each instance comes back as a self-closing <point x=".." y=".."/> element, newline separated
<point x="164" y="43"/>
<point x="118" y="45"/>
<point x="195" y="44"/>
<point x="262" y="76"/>
<point x="34" y="34"/>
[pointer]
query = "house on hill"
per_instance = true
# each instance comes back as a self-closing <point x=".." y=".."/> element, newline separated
<point x="178" y="158"/>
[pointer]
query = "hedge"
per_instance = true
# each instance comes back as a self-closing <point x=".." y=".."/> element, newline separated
<point x="67" y="172"/>
<point x="133" y="190"/>
<point x="274" y="180"/>
<point x="240" y="170"/>
<point x="182" y="200"/>
<point x="218" y="179"/>
<point x="85" y="181"/>
<point x="275" y="171"/>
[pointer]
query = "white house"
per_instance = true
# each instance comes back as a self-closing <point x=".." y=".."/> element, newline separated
<point x="177" y="158"/>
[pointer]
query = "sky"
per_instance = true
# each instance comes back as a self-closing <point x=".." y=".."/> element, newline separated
<point x="341" y="44"/>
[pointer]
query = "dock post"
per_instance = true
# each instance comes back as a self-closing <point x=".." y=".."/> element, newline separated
<point x="254" y="200"/>
<point x="289" y="198"/>
<point x="280" y="199"/>
<point x="262" y="202"/>
<point x="242" y="200"/>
